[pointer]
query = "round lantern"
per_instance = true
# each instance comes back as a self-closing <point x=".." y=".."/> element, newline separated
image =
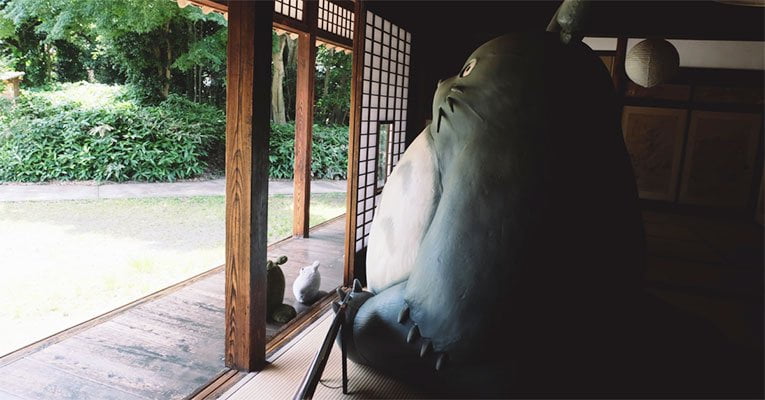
<point x="652" y="62"/>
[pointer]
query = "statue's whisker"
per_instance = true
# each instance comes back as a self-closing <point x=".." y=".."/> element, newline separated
<point x="468" y="106"/>
<point x="450" y="101"/>
<point x="441" y="114"/>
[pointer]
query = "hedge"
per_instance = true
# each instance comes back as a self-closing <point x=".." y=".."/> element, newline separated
<point x="43" y="140"/>
<point x="329" y="151"/>
<point x="50" y="136"/>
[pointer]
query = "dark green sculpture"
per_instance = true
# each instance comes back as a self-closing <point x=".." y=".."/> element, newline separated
<point x="506" y="256"/>
<point x="275" y="284"/>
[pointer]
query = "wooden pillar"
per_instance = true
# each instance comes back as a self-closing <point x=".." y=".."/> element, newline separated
<point x="619" y="76"/>
<point x="352" y="194"/>
<point x="247" y="129"/>
<point x="306" y="72"/>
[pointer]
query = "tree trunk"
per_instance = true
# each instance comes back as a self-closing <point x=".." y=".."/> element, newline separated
<point x="291" y="50"/>
<point x="325" y="89"/>
<point x="168" y="62"/>
<point x="277" y="88"/>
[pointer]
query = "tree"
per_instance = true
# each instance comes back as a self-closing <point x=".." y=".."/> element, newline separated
<point x="333" y="76"/>
<point x="144" y="37"/>
<point x="278" y="114"/>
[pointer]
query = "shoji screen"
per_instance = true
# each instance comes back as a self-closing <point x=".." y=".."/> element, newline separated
<point x="336" y="19"/>
<point x="290" y="8"/>
<point x="385" y="91"/>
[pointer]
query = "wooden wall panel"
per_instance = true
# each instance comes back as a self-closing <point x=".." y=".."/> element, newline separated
<point x="654" y="139"/>
<point x="728" y="95"/>
<point x="247" y="130"/>
<point x="671" y="92"/>
<point x="719" y="160"/>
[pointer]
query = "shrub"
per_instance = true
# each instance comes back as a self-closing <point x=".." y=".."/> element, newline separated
<point x="84" y="131"/>
<point x="44" y="137"/>
<point x="329" y="155"/>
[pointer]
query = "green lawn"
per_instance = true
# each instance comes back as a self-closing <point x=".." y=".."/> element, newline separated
<point x="64" y="262"/>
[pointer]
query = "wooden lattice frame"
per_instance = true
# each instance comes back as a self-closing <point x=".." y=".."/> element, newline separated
<point x="290" y="8"/>
<point x="335" y="18"/>
<point x="385" y="93"/>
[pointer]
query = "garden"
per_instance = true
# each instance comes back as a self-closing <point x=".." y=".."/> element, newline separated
<point x="119" y="92"/>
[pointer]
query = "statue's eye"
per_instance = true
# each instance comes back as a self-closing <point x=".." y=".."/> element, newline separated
<point x="468" y="68"/>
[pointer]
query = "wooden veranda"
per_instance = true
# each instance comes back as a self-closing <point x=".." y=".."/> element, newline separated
<point x="167" y="345"/>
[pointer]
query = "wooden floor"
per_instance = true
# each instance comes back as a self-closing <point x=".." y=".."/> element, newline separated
<point x="163" y="348"/>
<point x="709" y="266"/>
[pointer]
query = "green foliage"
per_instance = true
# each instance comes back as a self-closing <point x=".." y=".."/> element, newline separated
<point x="333" y="86"/>
<point x="44" y="137"/>
<point x="329" y="151"/>
<point x="135" y="41"/>
<point x="210" y="51"/>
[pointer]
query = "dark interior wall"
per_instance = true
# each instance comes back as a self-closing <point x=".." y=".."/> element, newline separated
<point x="445" y="33"/>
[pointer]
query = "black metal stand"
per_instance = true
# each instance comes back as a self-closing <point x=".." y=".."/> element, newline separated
<point x="344" y="352"/>
<point x="312" y="377"/>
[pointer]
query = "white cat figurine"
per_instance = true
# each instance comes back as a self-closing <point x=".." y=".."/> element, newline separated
<point x="306" y="286"/>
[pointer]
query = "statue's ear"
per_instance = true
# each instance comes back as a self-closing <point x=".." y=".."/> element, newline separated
<point x="315" y="265"/>
<point x="269" y="264"/>
<point x="570" y="20"/>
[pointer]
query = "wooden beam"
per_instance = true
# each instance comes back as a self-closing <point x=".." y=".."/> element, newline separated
<point x="353" y="142"/>
<point x="306" y="72"/>
<point x="248" y="102"/>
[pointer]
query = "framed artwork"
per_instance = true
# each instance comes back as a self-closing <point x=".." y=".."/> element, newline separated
<point x="654" y="140"/>
<point x="383" y="162"/>
<point x="719" y="158"/>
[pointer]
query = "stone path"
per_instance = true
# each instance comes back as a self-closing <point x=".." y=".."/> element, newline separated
<point x="213" y="187"/>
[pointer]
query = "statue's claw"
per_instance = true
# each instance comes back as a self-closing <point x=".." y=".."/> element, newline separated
<point x="357" y="286"/>
<point x="403" y="316"/>
<point x="426" y="348"/>
<point x="413" y="335"/>
<point x="441" y="361"/>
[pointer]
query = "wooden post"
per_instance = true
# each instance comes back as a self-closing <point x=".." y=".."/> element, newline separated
<point x="247" y="129"/>
<point x="619" y="76"/>
<point x="353" y="142"/>
<point x="306" y="72"/>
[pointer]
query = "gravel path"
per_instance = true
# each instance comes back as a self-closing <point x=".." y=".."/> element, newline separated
<point x="93" y="191"/>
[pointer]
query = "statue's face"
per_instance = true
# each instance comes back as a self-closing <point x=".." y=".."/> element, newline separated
<point x="474" y="102"/>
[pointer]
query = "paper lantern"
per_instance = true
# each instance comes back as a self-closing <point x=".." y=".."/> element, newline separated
<point x="652" y="62"/>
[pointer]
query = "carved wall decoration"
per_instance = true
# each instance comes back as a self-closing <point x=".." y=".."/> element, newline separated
<point x="654" y="140"/>
<point x="719" y="160"/>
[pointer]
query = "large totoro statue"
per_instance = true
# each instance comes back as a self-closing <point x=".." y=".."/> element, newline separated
<point x="507" y="253"/>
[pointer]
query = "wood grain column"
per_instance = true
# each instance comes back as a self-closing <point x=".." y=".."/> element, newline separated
<point x="306" y="72"/>
<point x="248" y="102"/>
<point x="352" y="194"/>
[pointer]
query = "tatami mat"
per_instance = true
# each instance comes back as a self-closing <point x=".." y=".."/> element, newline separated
<point x="281" y="379"/>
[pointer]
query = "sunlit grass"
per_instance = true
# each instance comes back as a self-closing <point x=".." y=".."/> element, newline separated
<point x="87" y="95"/>
<point x="64" y="262"/>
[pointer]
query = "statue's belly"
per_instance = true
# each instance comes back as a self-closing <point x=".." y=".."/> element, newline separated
<point x="403" y="216"/>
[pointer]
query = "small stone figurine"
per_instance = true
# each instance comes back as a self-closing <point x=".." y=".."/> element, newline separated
<point x="276" y="310"/>
<point x="306" y="286"/>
